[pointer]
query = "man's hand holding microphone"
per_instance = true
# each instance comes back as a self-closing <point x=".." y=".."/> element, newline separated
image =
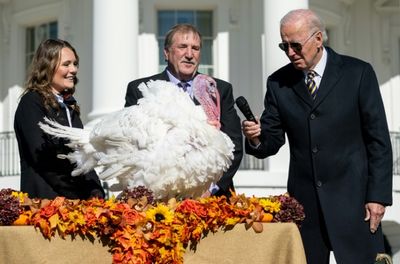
<point x="251" y="126"/>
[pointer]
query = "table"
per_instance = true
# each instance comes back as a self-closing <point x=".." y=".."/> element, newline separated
<point x="278" y="243"/>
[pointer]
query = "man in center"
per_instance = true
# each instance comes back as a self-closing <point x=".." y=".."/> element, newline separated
<point x="182" y="49"/>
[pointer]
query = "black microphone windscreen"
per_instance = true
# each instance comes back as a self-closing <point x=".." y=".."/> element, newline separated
<point x="240" y="101"/>
<point x="244" y="107"/>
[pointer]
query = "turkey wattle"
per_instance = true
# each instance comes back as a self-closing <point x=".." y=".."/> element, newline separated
<point x="163" y="143"/>
<point x="205" y="91"/>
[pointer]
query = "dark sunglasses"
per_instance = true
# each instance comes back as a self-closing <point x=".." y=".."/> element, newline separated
<point x="296" y="46"/>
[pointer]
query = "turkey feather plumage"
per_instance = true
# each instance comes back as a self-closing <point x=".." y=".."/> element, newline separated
<point x="164" y="143"/>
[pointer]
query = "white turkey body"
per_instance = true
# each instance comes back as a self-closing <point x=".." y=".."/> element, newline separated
<point x="164" y="143"/>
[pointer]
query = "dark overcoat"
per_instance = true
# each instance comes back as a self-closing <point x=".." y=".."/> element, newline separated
<point x="230" y="123"/>
<point x="340" y="152"/>
<point x="43" y="175"/>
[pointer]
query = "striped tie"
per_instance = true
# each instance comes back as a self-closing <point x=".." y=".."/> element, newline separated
<point x="311" y="85"/>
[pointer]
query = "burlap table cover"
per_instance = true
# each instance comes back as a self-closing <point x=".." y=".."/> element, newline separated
<point x="278" y="243"/>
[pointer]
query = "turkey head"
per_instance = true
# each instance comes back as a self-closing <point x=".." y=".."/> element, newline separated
<point x="206" y="93"/>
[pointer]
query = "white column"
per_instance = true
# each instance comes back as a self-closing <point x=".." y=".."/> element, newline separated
<point x="273" y="59"/>
<point x="273" y="12"/>
<point x="115" y="38"/>
<point x="222" y="55"/>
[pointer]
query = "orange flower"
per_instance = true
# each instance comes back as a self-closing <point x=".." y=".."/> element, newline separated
<point x="131" y="217"/>
<point x="48" y="211"/>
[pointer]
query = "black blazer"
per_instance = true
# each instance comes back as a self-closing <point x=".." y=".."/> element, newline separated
<point x="230" y="123"/>
<point x="340" y="152"/>
<point x="43" y="175"/>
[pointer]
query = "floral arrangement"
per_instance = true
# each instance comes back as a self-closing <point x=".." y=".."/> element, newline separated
<point x="139" y="229"/>
<point x="10" y="207"/>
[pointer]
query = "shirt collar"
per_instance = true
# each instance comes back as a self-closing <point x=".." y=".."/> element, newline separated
<point x="175" y="80"/>
<point x="321" y="65"/>
<point x="59" y="98"/>
<point x="70" y="100"/>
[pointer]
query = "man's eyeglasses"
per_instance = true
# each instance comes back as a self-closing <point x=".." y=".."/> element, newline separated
<point x="296" y="46"/>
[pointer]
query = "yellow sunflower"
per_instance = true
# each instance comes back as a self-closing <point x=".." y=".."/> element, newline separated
<point x="270" y="206"/>
<point x="161" y="213"/>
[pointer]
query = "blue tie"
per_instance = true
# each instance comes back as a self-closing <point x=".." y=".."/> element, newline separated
<point x="184" y="86"/>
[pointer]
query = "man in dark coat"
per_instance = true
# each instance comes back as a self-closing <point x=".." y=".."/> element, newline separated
<point x="182" y="52"/>
<point x="340" y="151"/>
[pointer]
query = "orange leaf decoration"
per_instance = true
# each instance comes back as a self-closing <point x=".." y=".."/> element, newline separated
<point x="142" y="232"/>
<point x="23" y="219"/>
<point x="53" y="220"/>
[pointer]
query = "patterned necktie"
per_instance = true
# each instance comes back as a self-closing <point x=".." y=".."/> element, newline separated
<point x="311" y="85"/>
<point x="183" y="85"/>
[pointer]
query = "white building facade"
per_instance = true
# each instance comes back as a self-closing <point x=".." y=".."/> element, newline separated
<point x="118" y="41"/>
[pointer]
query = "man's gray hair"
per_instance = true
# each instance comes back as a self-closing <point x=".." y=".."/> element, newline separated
<point x="311" y="18"/>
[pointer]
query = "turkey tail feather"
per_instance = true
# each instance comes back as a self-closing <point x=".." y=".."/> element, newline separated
<point x="79" y="142"/>
<point x="55" y="129"/>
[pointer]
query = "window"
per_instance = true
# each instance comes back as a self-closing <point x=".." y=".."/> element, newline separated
<point x="202" y="20"/>
<point x="35" y="35"/>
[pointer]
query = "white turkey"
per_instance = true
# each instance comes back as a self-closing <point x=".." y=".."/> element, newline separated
<point x="163" y="143"/>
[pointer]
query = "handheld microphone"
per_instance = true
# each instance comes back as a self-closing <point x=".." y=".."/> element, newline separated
<point x="244" y="107"/>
